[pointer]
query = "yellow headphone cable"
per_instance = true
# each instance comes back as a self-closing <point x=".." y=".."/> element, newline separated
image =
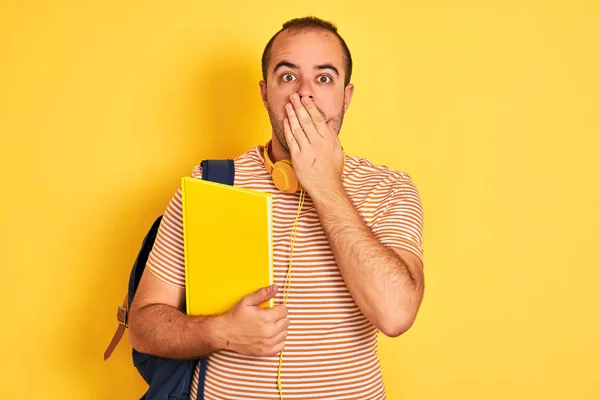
<point x="286" y="287"/>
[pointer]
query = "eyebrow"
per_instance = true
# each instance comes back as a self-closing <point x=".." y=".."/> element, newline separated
<point x="294" y="66"/>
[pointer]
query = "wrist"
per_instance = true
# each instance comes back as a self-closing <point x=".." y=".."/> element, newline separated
<point x="329" y="195"/>
<point x="215" y="331"/>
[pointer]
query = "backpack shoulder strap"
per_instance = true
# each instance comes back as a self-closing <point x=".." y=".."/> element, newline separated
<point x="134" y="279"/>
<point x="220" y="171"/>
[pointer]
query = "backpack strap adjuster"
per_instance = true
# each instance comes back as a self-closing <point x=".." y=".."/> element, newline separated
<point x="122" y="316"/>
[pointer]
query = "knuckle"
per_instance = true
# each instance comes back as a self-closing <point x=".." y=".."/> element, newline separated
<point x="284" y="336"/>
<point x="297" y="130"/>
<point x="265" y="349"/>
<point x="265" y="335"/>
<point x="319" y="119"/>
<point x="282" y="312"/>
<point x="261" y="333"/>
<point x="305" y="121"/>
<point x="262" y="349"/>
<point x="274" y="350"/>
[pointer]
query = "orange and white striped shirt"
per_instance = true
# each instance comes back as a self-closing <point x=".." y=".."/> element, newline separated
<point x="331" y="348"/>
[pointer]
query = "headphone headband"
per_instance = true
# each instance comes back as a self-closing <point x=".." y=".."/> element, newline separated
<point x="268" y="163"/>
<point x="282" y="172"/>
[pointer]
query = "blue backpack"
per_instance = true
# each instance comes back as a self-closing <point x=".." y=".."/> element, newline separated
<point x="167" y="379"/>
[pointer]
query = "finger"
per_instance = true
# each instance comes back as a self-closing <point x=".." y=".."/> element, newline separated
<point x="282" y="325"/>
<point x="305" y="118"/>
<point x="278" y="337"/>
<point x="318" y="119"/>
<point x="276" y="349"/>
<point x="260" y="296"/>
<point x="296" y="128"/>
<point x="289" y="138"/>
<point x="275" y="313"/>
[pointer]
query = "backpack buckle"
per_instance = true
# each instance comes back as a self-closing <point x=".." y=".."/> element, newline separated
<point x="122" y="314"/>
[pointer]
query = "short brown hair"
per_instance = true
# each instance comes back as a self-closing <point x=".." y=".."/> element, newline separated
<point x="305" y="24"/>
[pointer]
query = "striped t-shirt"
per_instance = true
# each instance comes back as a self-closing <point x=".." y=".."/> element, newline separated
<point x="331" y="347"/>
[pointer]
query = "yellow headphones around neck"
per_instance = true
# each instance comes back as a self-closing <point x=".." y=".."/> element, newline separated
<point x="282" y="173"/>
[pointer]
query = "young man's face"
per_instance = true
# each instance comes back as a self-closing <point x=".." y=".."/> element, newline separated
<point x="310" y="63"/>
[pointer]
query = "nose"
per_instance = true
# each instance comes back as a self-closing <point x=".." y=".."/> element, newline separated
<point x="305" y="89"/>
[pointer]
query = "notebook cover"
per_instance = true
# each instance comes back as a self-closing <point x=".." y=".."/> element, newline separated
<point x="228" y="244"/>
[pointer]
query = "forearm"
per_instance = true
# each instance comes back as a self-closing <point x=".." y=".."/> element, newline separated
<point x="387" y="289"/>
<point x="165" y="331"/>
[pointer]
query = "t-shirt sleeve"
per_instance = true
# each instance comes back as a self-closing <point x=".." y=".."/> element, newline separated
<point x="400" y="223"/>
<point x="166" y="259"/>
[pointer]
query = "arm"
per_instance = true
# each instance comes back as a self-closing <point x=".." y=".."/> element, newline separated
<point x="386" y="283"/>
<point x="158" y="324"/>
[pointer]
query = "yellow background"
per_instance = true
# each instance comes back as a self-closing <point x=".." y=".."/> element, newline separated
<point x="491" y="107"/>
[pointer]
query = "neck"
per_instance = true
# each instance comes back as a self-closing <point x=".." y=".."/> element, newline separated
<point x="277" y="152"/>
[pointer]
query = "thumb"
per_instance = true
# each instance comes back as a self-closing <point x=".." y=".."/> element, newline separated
<point x="260" y="296"/>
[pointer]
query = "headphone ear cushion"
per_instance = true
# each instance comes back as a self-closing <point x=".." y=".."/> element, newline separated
<point x="284" y="177"/>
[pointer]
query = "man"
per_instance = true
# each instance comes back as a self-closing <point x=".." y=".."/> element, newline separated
<point x="357" y="254"/>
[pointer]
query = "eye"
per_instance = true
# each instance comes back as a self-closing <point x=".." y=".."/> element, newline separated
<point x="324" y="79"/>
<point x="287" y="77"/>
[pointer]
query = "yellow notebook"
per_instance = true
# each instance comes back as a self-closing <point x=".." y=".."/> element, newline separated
<point x="228" y="244"/>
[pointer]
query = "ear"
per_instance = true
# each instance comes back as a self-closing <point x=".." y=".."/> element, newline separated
<point x="348" y="92"/>
<point x="263" y="93"/>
